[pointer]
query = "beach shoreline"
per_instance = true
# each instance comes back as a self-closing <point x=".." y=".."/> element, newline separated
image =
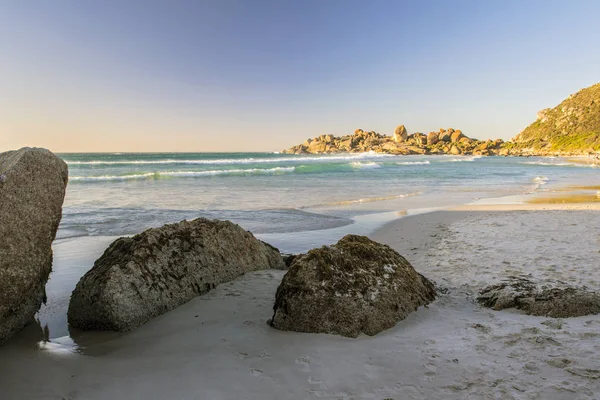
<point x="224" y="336"/>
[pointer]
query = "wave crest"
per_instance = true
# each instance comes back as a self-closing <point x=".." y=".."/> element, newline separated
<point x="163" y="174"/>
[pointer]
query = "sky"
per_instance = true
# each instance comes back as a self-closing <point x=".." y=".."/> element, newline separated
<point x="225" y="75"/>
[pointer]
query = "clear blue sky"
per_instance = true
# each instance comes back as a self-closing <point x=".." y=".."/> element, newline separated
<point x="147" y="75"/>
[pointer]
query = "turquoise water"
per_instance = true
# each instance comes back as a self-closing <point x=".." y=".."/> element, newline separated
<point x="275" y="195"/>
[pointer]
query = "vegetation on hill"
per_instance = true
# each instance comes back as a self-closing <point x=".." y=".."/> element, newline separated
<point x="572" y="126"/>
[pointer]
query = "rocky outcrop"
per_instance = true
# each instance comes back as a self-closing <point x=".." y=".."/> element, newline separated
<point x="400" y="143"/>
<point x="140" y="277"/>
<point x="400" y="134"/>
<point x="456" y="136"/>
<point x="32" y="190"/>
<point x="548" y="301"/>
<point x="433" y="138"/>
<point x="355" y="286"/>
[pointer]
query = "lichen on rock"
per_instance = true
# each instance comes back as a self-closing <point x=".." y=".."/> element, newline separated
<point x="541" y="300"/>
<point x="140" y="277"/>
<point x="355" y="286"/>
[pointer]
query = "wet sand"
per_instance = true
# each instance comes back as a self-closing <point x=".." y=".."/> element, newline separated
<point x="219" y="346"/>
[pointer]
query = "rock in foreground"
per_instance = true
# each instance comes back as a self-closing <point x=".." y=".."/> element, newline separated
<point x="32" y="190"/>
<point x="355" y="286"/>
<point x="141" y="277"/>
<point x="555" y="302"/>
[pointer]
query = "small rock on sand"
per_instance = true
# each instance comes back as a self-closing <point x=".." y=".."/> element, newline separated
<point x="555" y="302"/>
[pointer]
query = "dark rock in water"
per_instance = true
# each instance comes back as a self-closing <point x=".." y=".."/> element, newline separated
<point x="355" y="286"/>
<point x="556" y="302"/>
<point x="141" y="277"/>
<point x="32" y="190"/>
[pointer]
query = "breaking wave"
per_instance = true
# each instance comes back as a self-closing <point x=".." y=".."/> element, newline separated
<point x="413" y="163"/>
<point x="324" y="158"/>
<point x="183" y="174"/>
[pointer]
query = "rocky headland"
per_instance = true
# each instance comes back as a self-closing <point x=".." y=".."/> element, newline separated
<point x="570" y="129"/>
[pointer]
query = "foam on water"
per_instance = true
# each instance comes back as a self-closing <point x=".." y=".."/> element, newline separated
<point x="117" y="194"/>
<point x="359" y="164"/>
<point x="252" y="160"/>
<point x="561" y="164"/>
<point x="414" y="163"/>
<point x="161" y="174"/>
<point x="464" y="159"/>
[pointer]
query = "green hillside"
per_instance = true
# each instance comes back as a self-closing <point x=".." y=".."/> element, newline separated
<point x="572" y="126"/>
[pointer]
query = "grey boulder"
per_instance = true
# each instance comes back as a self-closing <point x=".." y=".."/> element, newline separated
<point x="355" y="286"/>
<point x="140" y="277"/>
<point x="32" y="190"/>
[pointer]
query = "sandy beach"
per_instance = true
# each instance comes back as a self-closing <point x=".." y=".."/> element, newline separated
<point x="218" y="346"/>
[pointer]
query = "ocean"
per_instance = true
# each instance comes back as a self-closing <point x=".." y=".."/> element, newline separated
<point x="293" y="202"/>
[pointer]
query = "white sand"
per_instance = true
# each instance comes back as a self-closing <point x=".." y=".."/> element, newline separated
<point x="219" y="347"/>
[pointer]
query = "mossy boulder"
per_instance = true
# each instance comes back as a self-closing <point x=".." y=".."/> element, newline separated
<point x="541" y="300"/>
<point x="355" y="286"/>
<point x="140" y="277"/>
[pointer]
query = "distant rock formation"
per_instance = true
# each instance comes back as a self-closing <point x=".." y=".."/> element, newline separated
<point x="355" y="286"/>
<point x="32" y="190"/>
<point x="572" y="127"/>
<point x="448" y="141"/>
<point x="556" y="302"/>
<point x="400" y="134"/>
<point x="140" y="277"/>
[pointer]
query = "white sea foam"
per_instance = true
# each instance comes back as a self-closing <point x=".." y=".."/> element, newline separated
<point x="547" y="163"/>
<point x="364" y="165"/>
<point x="323" y="158"/>
<point x="560" y="164"/>
<point x="366" y="200"/>
<point x="413" y="163"/>
<point x="463" y="159"/>
<point x="157" y="175"/>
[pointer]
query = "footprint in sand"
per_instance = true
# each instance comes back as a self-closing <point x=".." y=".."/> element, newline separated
<point x="334" y="395"/>
<point x="314" y="381"/>
<point x="431" y="369"/>
<point x="256" y="372"/>
<point x="559" y="362"/>
<point x="304" y="362"/>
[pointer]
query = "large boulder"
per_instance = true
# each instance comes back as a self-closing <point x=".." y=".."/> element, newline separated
<point x="455" y="150"/>
<point x="355" y="286"/>
<point x="140" y="277"/>
<point x="400" y="134"/>
<point x="32" y="190"/>
<point x="420" y="139"/>
<point x="456" y="136"/>
<point x="433" y="138"/>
